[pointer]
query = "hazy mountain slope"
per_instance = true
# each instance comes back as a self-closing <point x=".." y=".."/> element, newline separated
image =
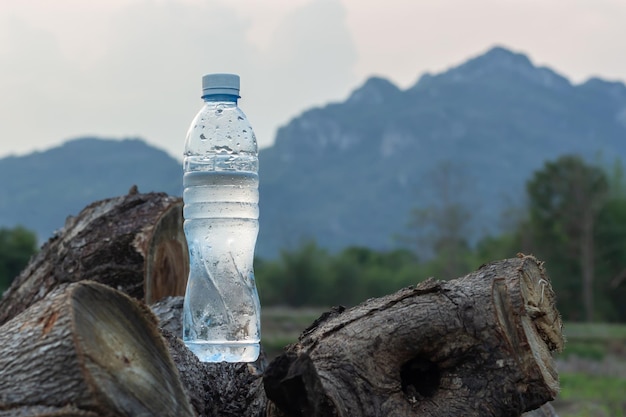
<point x="349" y="173"/>
<point x="41" y="189"/>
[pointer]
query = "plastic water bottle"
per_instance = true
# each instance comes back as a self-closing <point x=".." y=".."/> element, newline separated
<point x="221" y="316"/>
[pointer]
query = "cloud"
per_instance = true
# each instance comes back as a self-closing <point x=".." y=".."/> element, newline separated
<point x="150" y="77"/>
<point x="139" y="73"/>
<point x="308" y="61"/>
<point x="34" y="78"/>
<point x="405" y="38"/>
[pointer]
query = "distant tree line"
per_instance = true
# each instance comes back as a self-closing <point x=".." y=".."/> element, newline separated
<point x="17" y="245"/>
<point x="574" y="220"/>
<point x="310" y="275"/>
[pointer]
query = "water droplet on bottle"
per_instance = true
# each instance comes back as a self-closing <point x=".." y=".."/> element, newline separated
<point x="202" y="136"/>
<point x="244" y="131"/>
<point x="239" y="118"/>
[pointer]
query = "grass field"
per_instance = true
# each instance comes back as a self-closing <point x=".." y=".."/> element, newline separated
<point x="592" y="371"/>
<point x="592" y="368"/>
<point x="584" y="395"/>
<point x="281" y="326"/>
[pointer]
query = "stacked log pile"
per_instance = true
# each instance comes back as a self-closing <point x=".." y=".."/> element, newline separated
<point x="91" y="327"/>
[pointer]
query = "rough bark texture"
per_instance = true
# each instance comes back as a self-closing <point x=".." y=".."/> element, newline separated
<point x="545" y="410"/>
<point x="479" y="345"/>
<point x="110" y="241"/>
<point x="234" y="389"/>
<point x="92" y="348"/>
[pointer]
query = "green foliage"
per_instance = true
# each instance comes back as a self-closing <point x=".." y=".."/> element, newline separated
<point x="594" y="341"/>
<point x="586" y="350"/>
<point x="309" y="275"/>
<point x="576" y="225"/>
<point x="594" y="392"/>
<point x="359" y="273"/>
<point x="491" y="248"/>
<point x="605" y="332"/>
<point x="281" y="326"/>
<point x="439" y="231"/>
<point x="611" y="260"/>
<point x="17" y="245"/>
<point x="562" y="195"/>
<point x="298" y="278"/>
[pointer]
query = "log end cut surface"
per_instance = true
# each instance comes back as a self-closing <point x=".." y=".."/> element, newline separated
<point x="166" y="255"/>
<point x="118" y="347"/>
<point x="88" y="350"/>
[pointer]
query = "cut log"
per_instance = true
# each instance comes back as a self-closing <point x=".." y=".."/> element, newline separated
<point x="479" y="345"/>
<point x="524" y="281"/>
<point x="470" y="356"/>
<point x="86" y="350"/>
<point x="128" y="243"/>
<point x="545" y="410"/>
<point x="166" y="257"/>
<point x="39" y="411"/>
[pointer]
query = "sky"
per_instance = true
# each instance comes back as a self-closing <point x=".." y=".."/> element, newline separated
<point x="133" y="68"/>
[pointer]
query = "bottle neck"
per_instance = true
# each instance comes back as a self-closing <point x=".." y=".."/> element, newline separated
<point x="220" y="97"/>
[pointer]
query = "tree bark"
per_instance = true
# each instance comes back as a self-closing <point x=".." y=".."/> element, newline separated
<point x="129" y="243"/>
<point x="545" y="410"/>
<point x="236" y="389"/>
<point x="87" y="349"/>
<point x="479" y="345"/>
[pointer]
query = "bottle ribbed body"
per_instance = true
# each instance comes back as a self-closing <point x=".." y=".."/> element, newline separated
<point x="221" y="318"/>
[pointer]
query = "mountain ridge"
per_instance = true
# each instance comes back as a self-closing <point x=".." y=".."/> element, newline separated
<point x="497" y="116"/>
<point x="350" y="172"/>
<point x="47" y="186"/>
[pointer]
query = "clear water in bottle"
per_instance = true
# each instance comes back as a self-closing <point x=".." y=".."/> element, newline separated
<point x="221" y="314"/>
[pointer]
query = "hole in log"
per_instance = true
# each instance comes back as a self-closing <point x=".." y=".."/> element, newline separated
<point x="420" y="378"/>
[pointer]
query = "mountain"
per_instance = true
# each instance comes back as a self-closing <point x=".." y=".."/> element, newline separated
<point x="41" y="189"/>
<point x="349" y="173"/>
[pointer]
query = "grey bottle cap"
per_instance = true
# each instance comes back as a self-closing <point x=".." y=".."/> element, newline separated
<point x="213" y="84"/>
